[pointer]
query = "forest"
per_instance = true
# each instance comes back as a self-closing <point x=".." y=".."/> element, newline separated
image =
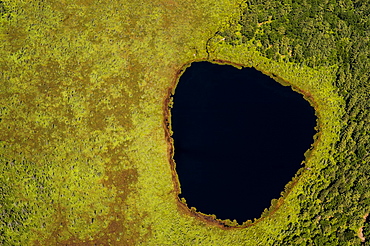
<point x="324" y="34"/>
<point x="85" y="136"/>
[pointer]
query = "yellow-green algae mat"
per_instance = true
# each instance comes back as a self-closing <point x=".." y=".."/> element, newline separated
<point x="84" y="146"/>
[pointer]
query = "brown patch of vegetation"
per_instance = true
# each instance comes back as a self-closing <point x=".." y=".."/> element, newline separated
<point x="360" y="233"/>
<point x="118" y="231"/>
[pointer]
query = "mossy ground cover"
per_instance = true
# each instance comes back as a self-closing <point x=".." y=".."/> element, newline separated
<point x="85" y="154"/>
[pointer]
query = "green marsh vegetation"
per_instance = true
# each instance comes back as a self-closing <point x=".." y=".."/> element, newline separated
<point x="84" y="155"/>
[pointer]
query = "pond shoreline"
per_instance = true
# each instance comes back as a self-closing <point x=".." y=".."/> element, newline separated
<point x="211" y="219"/>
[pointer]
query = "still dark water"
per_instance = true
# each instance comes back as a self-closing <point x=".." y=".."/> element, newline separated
<point x="239" y="138"/>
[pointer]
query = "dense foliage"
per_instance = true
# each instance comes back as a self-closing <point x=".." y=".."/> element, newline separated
<point x="323" y="34"/>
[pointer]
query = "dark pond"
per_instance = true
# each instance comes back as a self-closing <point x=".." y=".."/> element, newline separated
<point x="239" y="138"/>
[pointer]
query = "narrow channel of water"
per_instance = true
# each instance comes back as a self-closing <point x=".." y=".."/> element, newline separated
<point x="239" y="138"/>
